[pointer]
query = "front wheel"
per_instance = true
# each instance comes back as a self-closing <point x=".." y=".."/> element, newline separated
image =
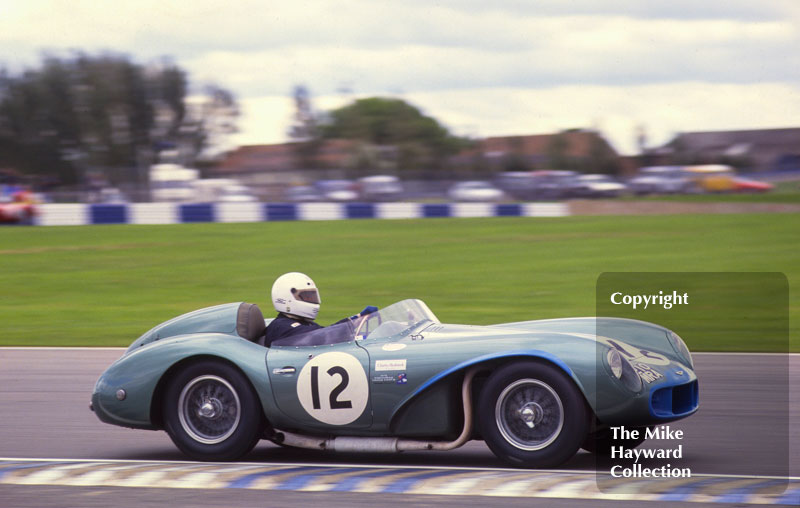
<point x="211" y="412"/>
<point x="532" y="415"/>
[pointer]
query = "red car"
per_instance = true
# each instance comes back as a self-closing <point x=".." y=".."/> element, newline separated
<point x="19" y="211"/>
<point x="742" y="185"/>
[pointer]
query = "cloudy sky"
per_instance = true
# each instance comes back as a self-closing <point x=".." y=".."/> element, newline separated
<point x="480" y="67"/>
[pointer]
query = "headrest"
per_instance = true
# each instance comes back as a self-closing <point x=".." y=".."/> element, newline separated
<point x="250" y="321"/>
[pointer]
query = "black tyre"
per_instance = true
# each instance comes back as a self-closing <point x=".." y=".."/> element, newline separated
<point x="532" y="415"/>
<point x="211" y="412"/>
<point x="600" y="442"/>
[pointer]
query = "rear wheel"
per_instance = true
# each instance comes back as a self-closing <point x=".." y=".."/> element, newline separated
<point x="211" y="412"/>
<point x="532" y="415"/>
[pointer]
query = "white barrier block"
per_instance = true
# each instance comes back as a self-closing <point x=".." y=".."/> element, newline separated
<point x="153" y="213"/>
<point x="545" y="210"/>
<point x="62" y="214"/>
<point x="472" y="210"/>
<point x="320" y="211"/>
<point x="239" y="212"/>
<point x="397" y="211"/>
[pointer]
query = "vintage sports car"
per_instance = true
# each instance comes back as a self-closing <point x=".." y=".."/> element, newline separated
<point x="395" y="380"/>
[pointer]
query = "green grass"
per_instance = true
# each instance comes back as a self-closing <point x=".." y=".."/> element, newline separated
<point x="106" y="285"/>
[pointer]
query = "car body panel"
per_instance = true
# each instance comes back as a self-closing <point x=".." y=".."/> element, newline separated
<point x="396" y="378"/>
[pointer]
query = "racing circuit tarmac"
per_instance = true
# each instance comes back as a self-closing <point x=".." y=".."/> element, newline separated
<point x="54" y="451"/>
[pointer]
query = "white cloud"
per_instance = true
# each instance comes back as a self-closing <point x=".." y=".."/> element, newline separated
<point x="512" y="67"/>
<point x="664" y="110"/>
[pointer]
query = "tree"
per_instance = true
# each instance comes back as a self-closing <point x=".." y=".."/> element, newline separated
<point x="84" y="114"/>
<point x="420" y="141"/>
<point x="210" y="118"/>
<point x="305" y="130"/>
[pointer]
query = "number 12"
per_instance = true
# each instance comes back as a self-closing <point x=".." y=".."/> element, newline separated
<point x="334" y="397"/>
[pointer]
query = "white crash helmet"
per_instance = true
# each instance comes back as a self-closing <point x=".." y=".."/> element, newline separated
<point x="295" y="293"/>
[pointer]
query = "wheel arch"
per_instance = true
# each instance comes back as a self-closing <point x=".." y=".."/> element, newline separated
<point x="157" y="401"/>
<point x="487" y="363"/>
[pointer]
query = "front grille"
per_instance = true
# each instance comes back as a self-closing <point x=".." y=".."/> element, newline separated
<point x="675" y="400"/>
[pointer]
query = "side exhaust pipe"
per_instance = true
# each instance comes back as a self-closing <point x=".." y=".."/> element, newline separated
<point x="385" y="444"/>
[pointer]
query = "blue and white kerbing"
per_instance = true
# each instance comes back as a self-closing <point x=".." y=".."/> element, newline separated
<point x="178" y="213"/>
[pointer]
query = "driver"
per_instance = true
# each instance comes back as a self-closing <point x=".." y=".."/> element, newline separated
<point x="296" y="298"/>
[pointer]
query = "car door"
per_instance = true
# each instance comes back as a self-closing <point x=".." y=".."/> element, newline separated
<point x="321" y="387"/>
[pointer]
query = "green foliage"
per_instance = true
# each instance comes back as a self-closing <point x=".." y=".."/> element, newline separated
<point x="106" y="285"/>
<point x="421" y="142"/>
<point x="84" y="113"/>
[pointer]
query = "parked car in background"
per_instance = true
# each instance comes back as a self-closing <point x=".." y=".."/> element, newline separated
<point x="475" y="191"/>
<point x="746" y="185"/>
<point x="224" y="190"/>
<point x="337" y="190"/>
<point x="661" y="180"/>
<point x="723" y="178"/>
<point x="520" y="185"/>
<point x="19" y="208"/>
<point x="596" y="186"/>
<point x="545" y="184"/>
<point x="172" y="182"/>
<point x="302" y="194"/>
<point x="380" y="188"/>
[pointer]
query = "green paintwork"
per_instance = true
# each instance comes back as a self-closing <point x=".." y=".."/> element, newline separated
<point x="423" y="401"/>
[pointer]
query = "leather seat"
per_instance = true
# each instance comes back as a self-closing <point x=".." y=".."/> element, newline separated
<point x="250" y="322"/>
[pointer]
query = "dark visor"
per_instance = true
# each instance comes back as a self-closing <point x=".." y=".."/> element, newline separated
<point x="306" y="295"/>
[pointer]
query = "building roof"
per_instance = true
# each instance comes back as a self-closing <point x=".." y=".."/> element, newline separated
<point x="763" y="148"/>
<point x="282" y="157"/>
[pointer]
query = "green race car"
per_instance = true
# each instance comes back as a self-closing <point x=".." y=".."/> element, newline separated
<point x="398" y="379"/>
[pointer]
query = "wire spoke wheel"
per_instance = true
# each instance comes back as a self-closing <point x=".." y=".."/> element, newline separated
<point x="209" y="409"/>
<point x="529" y="414"/>
<point x="534" y="415"/>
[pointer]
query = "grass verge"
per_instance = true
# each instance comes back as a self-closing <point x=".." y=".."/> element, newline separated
<point x="106" y="285"/>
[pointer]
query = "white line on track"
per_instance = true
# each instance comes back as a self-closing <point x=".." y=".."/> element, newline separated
<point x="246" y="465"/>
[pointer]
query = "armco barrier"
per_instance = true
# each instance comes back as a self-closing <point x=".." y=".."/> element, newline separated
<point x="176" y="213"/>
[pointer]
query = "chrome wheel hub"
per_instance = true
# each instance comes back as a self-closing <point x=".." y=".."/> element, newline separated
<point x="531" y="413"/>
<point x="211" y="409"/>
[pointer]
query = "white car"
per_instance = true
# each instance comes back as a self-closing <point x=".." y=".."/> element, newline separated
<point x="596" y="186"/>
<point x="475" y="191"/>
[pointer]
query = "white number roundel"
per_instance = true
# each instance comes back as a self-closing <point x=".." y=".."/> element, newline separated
<point x="333" y="388"/>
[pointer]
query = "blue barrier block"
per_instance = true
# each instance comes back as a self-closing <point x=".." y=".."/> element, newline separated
<point x="281" y="211"/>
<point x="360" y="211"/>
<point x="508" y="210"/>
<point x="197" y="212"/>
<point x="435" y="210"/>
<point x="108" y="214"/>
